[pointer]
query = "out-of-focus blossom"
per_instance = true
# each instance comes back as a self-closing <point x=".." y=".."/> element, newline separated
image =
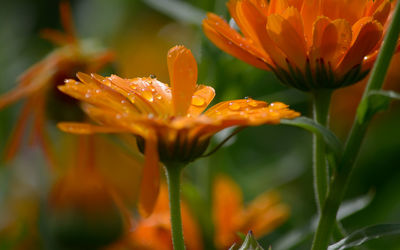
<point x="345" y="101"/>
<point x="38" y="85"/>
<point x="308" y="44"/>
<point x="168" y="121"/>
<point x="261" y="216"/>
<point x="83" y="208"/>
<point x="154" y="232"/>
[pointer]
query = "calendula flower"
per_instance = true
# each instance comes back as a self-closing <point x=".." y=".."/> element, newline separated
<point x="261" y="216"/>
<point x="168" y="121"/>
<point x="307" y="44"/>
<point x="38" y="84"/>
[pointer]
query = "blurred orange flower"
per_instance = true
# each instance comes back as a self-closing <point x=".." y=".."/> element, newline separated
<point x="167" y="121"/>
<point x="84" y="209"/>
<point x="154" y="232"/>
<point x="307" y="44"/>
<point x="261" y="216"/>
<point x="38" y="83"/>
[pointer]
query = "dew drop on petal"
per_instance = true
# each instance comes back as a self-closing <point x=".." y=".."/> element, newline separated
<point x="148" y="95"/>
<point x="88" y="95"/>
<point x="234" y="106"/>
<point x="252" y="103"/>
<point x="198" y="101"/>
<point x="98" y="91"/>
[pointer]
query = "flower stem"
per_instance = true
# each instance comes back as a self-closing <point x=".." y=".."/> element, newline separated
<point x="173" y="172"/>
<point x="356" y="136"/>
<point x="321" y="105"/>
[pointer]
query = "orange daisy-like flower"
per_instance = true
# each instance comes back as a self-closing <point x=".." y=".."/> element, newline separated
<point x="168" y="121"/>
<point x="38" y="83"/>
<point x="307" y="44"/>
<point x="261" y="216"/>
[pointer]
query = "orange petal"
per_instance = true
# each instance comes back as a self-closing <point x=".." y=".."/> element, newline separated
<point x="309" y="12"/>
<point x="227" y="208"/>
<point x="16" y="135"/>
<point x="252" y="21"/>
<point x="382" y="12"/>
<point x="150" y="184"/>
<point x="182" y="68"/>
<point x="331" y="40"/>
<point x="85" y="128"/>
<point x="228" y="40"/>
<point x="66" y="20"/>
<point x="277" y="6"/>
<point x="370" y="34"/>
<point x="201" y="98"/>
<point x="287" y="39"/>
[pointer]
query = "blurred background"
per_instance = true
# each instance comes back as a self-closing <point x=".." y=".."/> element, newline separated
<point x="258" y="159"/>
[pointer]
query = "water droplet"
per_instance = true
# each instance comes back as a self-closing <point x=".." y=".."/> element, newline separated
<point x="159" y="97"/>
<point x="234" y="106"/>
<point x="252" y="103"/>
<point x="123" y="101"/>
<point x="98" y="91"/>
<point x="88" y="95"/>
<point x="198" y="101"/>
<point x="148" y="95"/>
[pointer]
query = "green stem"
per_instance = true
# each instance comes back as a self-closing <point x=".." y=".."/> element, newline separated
<point x="321" y="105"/>
<point x="356" y="136"/>
<point x="173" y="172"/>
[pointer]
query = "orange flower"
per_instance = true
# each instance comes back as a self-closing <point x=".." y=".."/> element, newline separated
<point x="168" y="121"/>
<point x="83" y="208"/>
<point x="261" y="216"/>
<point x="38" y="83"/>
<point x="154" y="232"/>
<point x="307" y="44"/>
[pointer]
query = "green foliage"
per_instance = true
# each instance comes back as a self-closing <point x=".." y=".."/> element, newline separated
<point x="377" y="100"/>
<point x="361" y="236"/>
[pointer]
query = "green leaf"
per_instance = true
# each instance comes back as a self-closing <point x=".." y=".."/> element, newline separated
<point x="333" y="143"/>
<point x="297" y="236"/>
<point x="377" y="100"/>
<point x="369" y="233"/>
<point x="178" y="10"/>
<point x="249" y="243"/>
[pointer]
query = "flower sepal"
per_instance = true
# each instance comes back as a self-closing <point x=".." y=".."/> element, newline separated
<point x="249" y="243"/>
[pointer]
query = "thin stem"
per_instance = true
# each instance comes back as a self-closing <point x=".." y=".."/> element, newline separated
<point x="356" y="136"/>
<point x="235" y="132"/>
<point x="320" y="171"/>
<point x="173" y="172"/>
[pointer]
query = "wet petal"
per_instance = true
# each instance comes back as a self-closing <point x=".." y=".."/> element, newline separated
<point x="182" y="68"/>
<point x="150" y="184"/>
<point x="370" y="34"/>
<point x="86" y="129"/>
<point x="201" y="98"/>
